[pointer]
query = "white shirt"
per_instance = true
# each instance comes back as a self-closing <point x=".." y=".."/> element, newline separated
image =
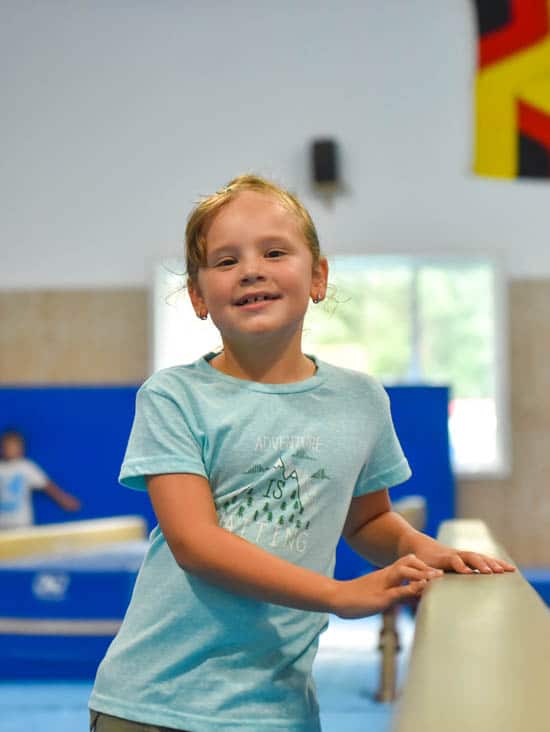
<point x="18" y="478"/>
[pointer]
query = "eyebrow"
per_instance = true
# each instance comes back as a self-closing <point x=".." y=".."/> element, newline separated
<point x="265" y="241"/>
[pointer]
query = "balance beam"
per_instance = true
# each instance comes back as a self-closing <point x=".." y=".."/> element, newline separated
<point x="481" y="653"/>
<point x="69" y="536"/>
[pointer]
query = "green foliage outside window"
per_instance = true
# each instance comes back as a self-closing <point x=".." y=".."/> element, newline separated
<point x="406" y="321"/>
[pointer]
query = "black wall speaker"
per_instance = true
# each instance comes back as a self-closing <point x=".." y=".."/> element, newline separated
<point x="324" y="155"/>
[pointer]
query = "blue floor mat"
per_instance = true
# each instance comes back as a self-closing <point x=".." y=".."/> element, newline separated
<point x="539" y="579"/>
<point x="346" y="674"/>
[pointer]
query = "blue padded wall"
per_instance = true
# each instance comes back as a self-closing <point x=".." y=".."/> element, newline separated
<point x="79" y="434"/>
<point x="420" y="415"/>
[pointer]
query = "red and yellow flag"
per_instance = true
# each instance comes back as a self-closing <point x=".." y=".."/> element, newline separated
<point x="513" y="89"/>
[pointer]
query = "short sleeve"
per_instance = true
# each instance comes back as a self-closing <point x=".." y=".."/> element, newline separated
<point x="37" y="478"/>
<point x="386" y="465"/>
<point x="161" y="441"/>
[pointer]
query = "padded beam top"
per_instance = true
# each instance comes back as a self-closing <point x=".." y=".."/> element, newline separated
<point x="69" y="536"/>
<point x="481" y="653"/>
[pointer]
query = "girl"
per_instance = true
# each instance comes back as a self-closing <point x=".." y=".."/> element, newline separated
<point x="257" y="459"/>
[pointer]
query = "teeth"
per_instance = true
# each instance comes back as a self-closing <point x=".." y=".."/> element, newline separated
<point x="255" y="298"/>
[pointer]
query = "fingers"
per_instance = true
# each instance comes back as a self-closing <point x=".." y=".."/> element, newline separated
<point x="459" y="565"/>
<point x="471" y="562"/>
<point x="402" y="593"/>
<point x="410" y="567"/>
<point x="411" y="574"/>
<point x="499" y="565"/>
<point x="412" y="560"/>
<point x="412" y="571"/>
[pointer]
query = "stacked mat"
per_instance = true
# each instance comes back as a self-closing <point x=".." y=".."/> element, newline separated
<point x="59" y="613"/>
<point x="64" y="590"/>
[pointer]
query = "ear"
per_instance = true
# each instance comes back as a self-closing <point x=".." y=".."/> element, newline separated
<point x="319" y="279"/>
<point x="197" y="301"/>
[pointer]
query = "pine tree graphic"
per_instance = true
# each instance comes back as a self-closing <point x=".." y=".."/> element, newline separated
<point x="256" y="469"/>
<point x="276" y="499"/>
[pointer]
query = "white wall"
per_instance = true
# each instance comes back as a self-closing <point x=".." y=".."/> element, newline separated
<point x="117" y="115"/>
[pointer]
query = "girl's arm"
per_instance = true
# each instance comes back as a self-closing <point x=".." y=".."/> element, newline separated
<point x="380" y="535"/>
<point x="187" y="517"/>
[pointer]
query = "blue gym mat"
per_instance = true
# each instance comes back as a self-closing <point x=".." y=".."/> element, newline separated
<point x="346" y="673"/>
<point x="539" y="579"/>
<point x="59" y="612"/>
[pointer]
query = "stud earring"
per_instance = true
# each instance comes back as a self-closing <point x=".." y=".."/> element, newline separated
<point x="203" y="315"/>
<point x="316" y="299"/>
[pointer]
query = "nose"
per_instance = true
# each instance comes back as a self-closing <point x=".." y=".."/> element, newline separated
<point x="252" y="271"/>
<point x="250" y="278"/>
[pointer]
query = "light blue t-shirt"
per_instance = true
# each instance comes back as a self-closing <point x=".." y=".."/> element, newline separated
<point x="283" y="462"/>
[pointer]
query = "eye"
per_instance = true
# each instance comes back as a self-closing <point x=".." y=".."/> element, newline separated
<point x="225" y="262"/>
<point x="274" y="253"/>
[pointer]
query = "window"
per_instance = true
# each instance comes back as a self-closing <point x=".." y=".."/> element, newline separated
<point x="405" y="320"/>
<point x="178" y="335"/>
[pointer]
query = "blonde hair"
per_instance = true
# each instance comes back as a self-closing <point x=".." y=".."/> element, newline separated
<point x="203" y="213"/>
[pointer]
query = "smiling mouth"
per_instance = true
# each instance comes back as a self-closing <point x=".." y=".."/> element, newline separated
<point x="250" y="299"/>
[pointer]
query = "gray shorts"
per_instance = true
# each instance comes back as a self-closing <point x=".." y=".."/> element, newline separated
<point x="100" y="722"/>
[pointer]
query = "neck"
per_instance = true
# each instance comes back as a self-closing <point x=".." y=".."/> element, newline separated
<point x="269" y="364"/>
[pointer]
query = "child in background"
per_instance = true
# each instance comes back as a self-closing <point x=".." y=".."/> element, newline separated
<point x="257" y="459"/>
<point x="19" y="476"/>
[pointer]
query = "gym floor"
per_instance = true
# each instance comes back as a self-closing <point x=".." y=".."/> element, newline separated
<point x="346" y="673"/>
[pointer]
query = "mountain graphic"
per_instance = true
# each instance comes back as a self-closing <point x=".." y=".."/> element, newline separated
<point x="301" y="454"/>
<point x="274" y="499"/>
<point x="321" y="475"/>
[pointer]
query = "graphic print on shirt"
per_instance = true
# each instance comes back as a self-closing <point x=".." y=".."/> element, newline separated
<point x="321" y="475"/>
<point x="11" y="493"/>
<point x="271" y="510"/>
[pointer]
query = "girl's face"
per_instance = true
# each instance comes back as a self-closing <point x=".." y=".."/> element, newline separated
<point x="259" y="272"/>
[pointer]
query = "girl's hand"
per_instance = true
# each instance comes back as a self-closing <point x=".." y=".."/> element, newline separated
<point x="383" y="588"/>
<point x="456" y="560"/>
<point x="464" y="562"/>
